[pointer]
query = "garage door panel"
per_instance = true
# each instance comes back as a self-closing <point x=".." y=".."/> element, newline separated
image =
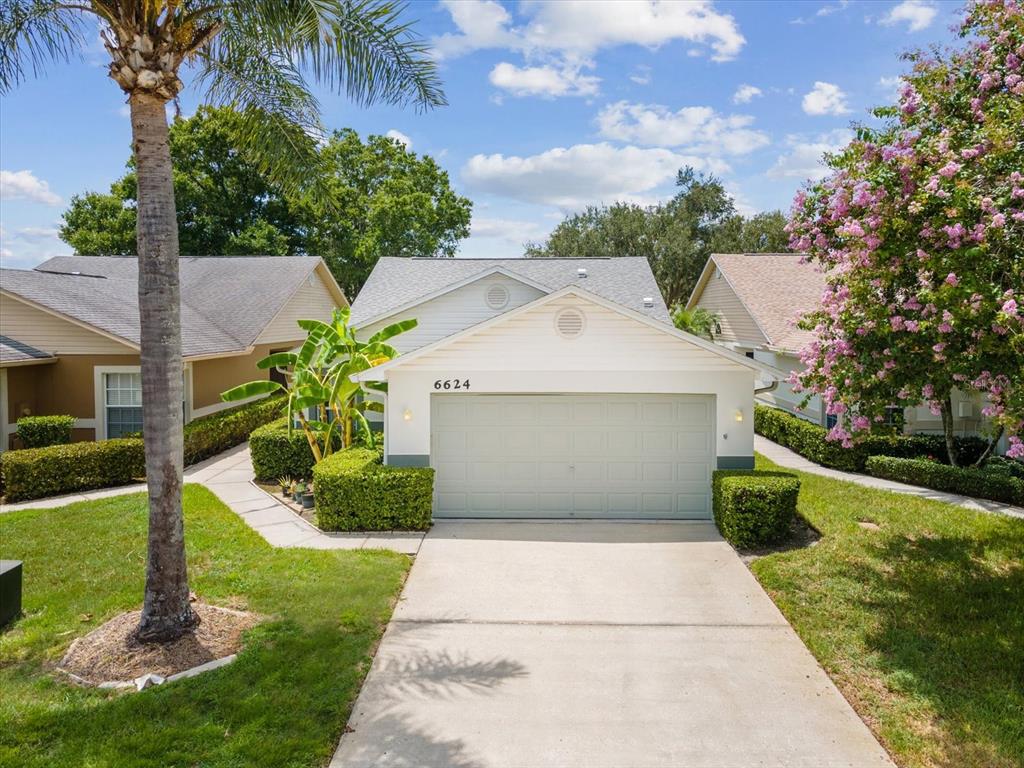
<point x="585" y="455"/>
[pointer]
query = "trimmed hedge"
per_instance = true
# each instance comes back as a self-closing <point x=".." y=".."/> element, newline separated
<point x="355" y="492"/>
<point x="43" y="431"/>
<point x="942" y="477"/>
<point x="33" y="473"/>
<point x="753" y="508"/>
<point x="210" y="435"/>
<point x="37" y="472"/>
<point x="275" y="454"/>
<point x="809" y="441"/>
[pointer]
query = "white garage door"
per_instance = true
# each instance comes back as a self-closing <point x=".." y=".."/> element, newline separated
<point x="613" y="456"/>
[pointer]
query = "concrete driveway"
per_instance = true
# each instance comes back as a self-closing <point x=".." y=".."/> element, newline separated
<point x="594" y="644"/>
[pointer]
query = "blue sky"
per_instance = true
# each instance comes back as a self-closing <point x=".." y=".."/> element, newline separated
<point x="553" y="106"/>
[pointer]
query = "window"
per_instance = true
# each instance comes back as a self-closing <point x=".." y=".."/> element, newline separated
<point x="831" y="420"/>
<point x="894" y="417"/>
<point x="749" y="354"/>
<point x="122" y="398"/>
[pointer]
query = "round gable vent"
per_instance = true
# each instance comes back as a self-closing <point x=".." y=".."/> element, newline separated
<point x="569" y="323"/>
<point x="497" y="296"/>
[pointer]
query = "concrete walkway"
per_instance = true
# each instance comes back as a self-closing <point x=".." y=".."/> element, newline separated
<point x="787" y="458"/>
<point x="529" y="644"/>
<point x="229" y="475"/>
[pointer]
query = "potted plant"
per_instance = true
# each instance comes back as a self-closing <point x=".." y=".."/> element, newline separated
<point x="298" y="489"/>
<point x="286" y="485"/>
<point x="307" y="497"/>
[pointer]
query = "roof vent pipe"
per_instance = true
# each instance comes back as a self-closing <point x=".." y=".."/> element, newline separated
<point x="581" y="272"/>
<point x="648" y="302"/>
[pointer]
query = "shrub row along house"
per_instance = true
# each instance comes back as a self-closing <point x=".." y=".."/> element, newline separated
<point x="69" y="334"/>
<point x="757" y="298"/>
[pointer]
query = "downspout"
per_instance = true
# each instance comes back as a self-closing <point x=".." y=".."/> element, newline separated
<point x="770" y="388"/>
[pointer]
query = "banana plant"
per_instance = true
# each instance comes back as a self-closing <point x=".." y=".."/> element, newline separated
<point x="319" y="377"/>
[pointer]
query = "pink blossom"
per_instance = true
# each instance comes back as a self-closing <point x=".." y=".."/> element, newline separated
<point x="952" y="279"/>
<point x="949" y="169"/>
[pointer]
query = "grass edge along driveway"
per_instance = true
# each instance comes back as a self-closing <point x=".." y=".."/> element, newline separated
<point x="283" y="702"/>
<point x="920" y="623"/>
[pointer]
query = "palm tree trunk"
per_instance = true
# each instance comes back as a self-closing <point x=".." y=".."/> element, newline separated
<point x="166" y="613"/>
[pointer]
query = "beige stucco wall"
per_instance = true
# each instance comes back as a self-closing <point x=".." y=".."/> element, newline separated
<point x="211" y="377"/>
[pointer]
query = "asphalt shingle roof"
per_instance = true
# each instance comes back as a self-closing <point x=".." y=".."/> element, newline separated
<point x="225" y="301"/>
<point x="12" y="351"/>
<point x="776" y="288"/>
<point x="396" y="281"/>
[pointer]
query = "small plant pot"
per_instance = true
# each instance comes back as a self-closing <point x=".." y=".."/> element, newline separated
<point x="307" y="500"/>
<point x="286" y="491"/>
<point x="297" y="497"/>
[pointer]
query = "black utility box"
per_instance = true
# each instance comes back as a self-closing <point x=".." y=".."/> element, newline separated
<point x="10" y="590"/>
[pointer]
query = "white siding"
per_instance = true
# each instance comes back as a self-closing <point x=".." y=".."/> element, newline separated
<point x="53" y="334"/>
<point x="783" y="395"/>
<point x="615" y="354"/>
<point x="737" y="324"/>
<point x="610" y="342"/>
<point x="313" y="301"/>
<point x="454" y="311"/>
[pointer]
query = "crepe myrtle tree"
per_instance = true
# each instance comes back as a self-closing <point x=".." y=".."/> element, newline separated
<point x="319" y="379"/>
<point x="258" y="57"/>
<point x="921" y="229"/>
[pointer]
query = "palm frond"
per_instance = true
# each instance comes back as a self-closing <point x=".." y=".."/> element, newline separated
<point x="34" y="33"/>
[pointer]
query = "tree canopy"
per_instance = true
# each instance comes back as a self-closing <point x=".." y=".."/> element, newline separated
<point x="372" y="198"/>
<point x="676" y="237"/>
<point x="921" y="226"/>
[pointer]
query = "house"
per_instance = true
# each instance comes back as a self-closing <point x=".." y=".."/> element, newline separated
<point x="69" y="334"/>
<point x="758" y="297"/>
<point x="555" y="388"/>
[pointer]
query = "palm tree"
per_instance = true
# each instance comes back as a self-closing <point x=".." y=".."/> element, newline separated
<point x="259" y="57"/>
<point x="698" y="321"/>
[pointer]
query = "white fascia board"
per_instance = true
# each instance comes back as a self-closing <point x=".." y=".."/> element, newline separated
<point x="489" y="272"/>
<point x="380" y="372"/>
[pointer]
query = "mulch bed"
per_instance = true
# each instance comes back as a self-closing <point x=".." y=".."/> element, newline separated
<point x="110" y="652"/>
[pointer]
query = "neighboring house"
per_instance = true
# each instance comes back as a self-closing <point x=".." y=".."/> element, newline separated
<point x="69" y="334"/>
<point x="758" y="297"/>
<point x="555" y="388"/>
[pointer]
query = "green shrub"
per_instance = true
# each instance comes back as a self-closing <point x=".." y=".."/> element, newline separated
<point x="277" y="454"/>
<point x="354" y="492"/>
<point x="809" y="441"/>
<point x="210" y="435"/>
<point x="942" y="477"/>
<point x="37" y="472"/>
<point x="754" y="508"/>
<point x="41" y="431"/>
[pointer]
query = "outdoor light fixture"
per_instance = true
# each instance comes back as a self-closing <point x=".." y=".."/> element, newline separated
<point x="739" y="414"/>
<point x="407" y="414"/>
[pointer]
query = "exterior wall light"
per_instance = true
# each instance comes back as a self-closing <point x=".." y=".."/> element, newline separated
<point x="739" y="414"/>
<point x="407" y="415"/>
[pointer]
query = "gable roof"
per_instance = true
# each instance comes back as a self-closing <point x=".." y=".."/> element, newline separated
<point x="374" y="374"/>
<point x="13" y="352"/>
<point x="226" y="302"/>
<point x="775" y="288"/>
<point x="398" y="283"/>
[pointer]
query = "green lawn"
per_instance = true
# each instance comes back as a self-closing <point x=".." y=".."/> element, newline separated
<point x="921" y="624"/>
<point x="283" y="702"/>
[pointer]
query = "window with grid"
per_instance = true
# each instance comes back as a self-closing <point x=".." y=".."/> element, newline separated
<point x="123" y="400"/>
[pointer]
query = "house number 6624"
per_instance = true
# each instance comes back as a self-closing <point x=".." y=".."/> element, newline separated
<point x="451" y="384"/>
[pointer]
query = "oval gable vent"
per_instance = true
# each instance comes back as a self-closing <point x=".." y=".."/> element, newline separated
<point x="497" y="296"/>
<point x="569" y="323"/>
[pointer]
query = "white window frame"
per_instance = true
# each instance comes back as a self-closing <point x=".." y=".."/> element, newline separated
<point x="100" y="393"/>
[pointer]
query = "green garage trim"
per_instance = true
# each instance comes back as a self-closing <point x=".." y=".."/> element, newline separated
<point x="735" y="462"/>
<point x="408" y="460"/>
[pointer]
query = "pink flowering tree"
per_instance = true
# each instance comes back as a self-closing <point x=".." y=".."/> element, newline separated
<point x="920" y="227"/>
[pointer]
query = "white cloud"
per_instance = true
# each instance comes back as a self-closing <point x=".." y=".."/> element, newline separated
<point x="514" y="231"/>
<point x="700" y="130"/>
<point x="825" y="10"/>
<point x="400" y="137"/>
<point x="916" y="14"/>
<point x="545" y="81"/>
<point x="891" y="86"/>
<point x="745" y="93"/>
<point x="23" y="185"/>
<point x="804" y="161"/>
<point x="641" y="75"/>
<point x="576" y="28"/>
<point x="38" y="233"/>
<point x="582" y="174"/>
<point x="825" y="99"/>
<point x="25" y="247"/>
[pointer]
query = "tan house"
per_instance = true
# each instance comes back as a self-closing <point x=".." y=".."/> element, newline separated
<point x="758" y="298"/>
<point x="69" y="334"/>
